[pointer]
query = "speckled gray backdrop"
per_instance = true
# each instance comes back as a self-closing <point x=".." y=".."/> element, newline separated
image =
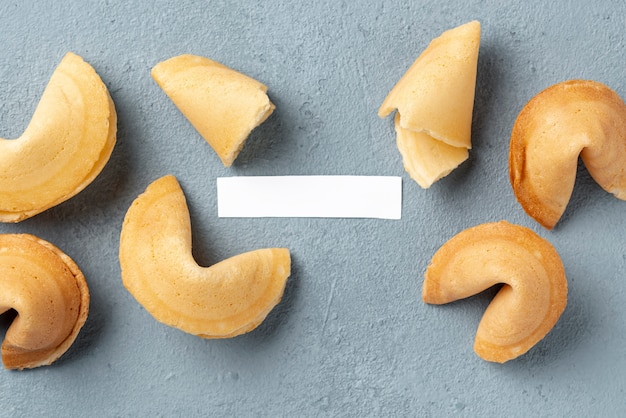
<point x="351" y="336"/>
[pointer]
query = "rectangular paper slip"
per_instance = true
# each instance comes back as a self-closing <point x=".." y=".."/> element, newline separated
<point x="375" y="197"/>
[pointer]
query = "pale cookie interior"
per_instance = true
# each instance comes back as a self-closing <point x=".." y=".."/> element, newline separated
<point x="65" y="146"/>
<point x="567" y="120"/>
<point x="226" y="299"/>
<point x="50" y="295"/>
<point x="435" y="101"/>
<point x="533" y="295"/>
<point x="425" y="158"/>
<point x="222" y="104"/>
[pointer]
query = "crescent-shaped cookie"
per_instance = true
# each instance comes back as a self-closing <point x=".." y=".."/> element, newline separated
<point x="65" y="146"/>
<point x="435" y="102"/>
<point x="222" y="104"/>
<point x="226" y="299"/>
<point x="534" y="291"/>
<point x="567" y="120"/>
<point x="50" y="295"/>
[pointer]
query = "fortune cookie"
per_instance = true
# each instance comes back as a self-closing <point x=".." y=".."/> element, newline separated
<point x="50" y="295"/>
<point x="531" y="299"/>
<point x="226" y="299"/>
<point x="435" y="101"/>
<point x="222" y="104"/>
<point x="65" y="146"/>
<point x="567" y="120"/>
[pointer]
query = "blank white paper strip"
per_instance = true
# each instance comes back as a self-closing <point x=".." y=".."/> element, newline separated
<point x="375" y="197"/>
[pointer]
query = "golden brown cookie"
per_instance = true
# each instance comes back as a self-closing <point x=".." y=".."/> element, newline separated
<point x="222" y="104"/>
<point x="65" y="146"/>
<point x="567" y="120"/>
<point x="534" y="291"/>
<point x="50" y="295"/>
<point x="226" y="299"/>
<point x="435" y="102"/>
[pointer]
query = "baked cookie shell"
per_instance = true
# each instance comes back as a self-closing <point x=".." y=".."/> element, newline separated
<point x="65" y="146"/>
<point x="221" y="301"/>
<point x="222" y="104"/>
<point x="434" y="100"/>
<point x="50" y="295"/>
<point x="567" y="120"/>
<point x="534" y="291"/>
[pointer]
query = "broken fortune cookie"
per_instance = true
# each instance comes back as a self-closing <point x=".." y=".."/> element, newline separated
<point x="222" y="104"/>
<point x="434" y="101"/>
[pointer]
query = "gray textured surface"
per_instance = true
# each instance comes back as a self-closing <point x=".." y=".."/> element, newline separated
<point x="351" y="336"/>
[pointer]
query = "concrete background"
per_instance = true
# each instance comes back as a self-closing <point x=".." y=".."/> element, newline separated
<point x="351" y="337"/>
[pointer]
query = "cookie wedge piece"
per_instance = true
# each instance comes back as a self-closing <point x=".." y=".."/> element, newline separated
<point x="534" y="287"/>
<point x="66" y="145"/>
<point x="226" y="299"/>
<point x="572" y="119"/>
<point x="434" y="100"/>
<point x="50" y="295"/>
<point x="222" y="104"/>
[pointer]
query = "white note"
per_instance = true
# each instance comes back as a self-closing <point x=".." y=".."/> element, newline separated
<point x="377" y="197"/>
